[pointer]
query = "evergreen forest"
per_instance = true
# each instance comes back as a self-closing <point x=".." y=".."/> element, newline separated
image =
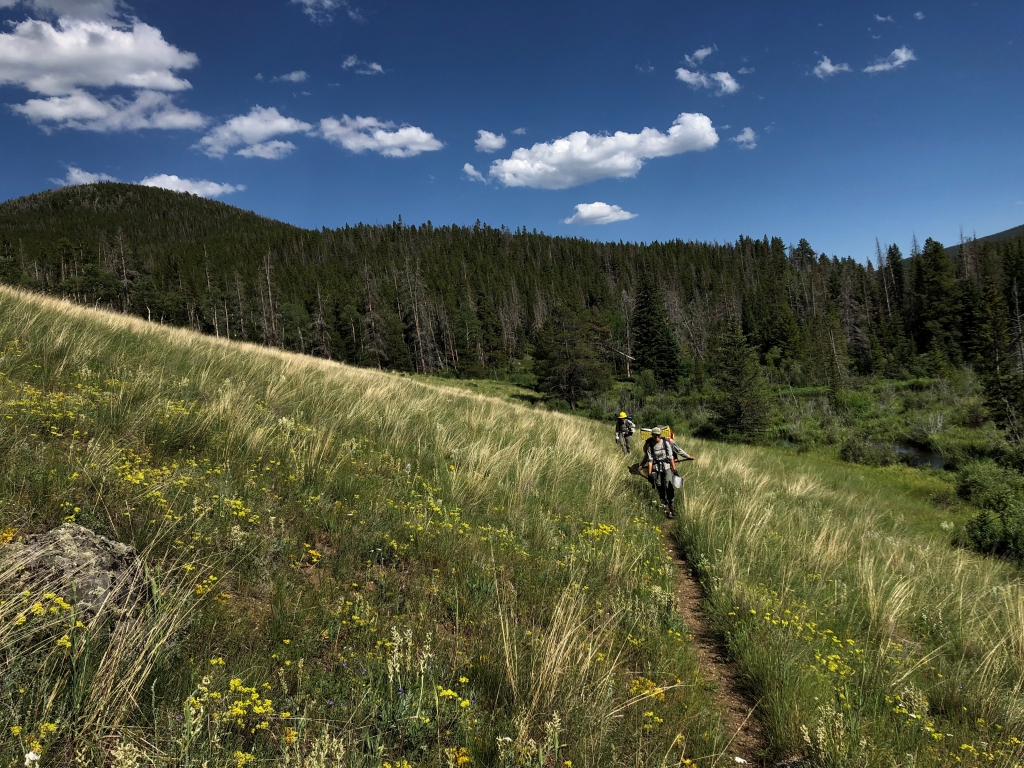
<point x="567" y="316"/>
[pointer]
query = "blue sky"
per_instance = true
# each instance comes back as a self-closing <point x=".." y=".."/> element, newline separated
<point x="838" y="122"/>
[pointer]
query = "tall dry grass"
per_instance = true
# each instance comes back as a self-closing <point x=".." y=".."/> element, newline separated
<point x="337" y="506"/>
<point x="806" y="559"/>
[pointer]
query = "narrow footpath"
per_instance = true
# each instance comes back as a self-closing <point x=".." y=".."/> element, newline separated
<point x="748" y="742"/>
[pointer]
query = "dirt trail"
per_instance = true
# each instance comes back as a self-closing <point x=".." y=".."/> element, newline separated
<point x="748" y="741"/>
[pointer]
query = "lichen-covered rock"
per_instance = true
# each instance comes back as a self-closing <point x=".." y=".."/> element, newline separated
<point x="93" y="573"/>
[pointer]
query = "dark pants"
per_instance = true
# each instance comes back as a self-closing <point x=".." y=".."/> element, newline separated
<point x="661" y="479"/>
<point x="623" y="440"/>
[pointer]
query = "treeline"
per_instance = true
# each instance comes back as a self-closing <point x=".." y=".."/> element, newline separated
<point x="566" y="313"/>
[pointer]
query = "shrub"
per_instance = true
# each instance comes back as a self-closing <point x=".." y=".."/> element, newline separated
<point x="999" y="528"/>
<point x="857" y="450"/>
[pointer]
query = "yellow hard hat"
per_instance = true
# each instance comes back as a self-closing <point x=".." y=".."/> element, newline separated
<point x="622" y="415"/>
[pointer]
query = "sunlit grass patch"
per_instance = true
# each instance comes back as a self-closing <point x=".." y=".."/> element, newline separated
<point x="866" y="636"/>
<point x="342" y="562"/>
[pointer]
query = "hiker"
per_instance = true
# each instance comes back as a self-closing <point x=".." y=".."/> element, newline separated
<point x="661" y="469"/>
<point x="624" y="429"/>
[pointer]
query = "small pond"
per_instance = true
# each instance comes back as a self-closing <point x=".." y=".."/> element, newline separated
<point x="916" y="456"/>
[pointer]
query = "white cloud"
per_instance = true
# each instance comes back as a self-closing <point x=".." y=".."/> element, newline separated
<point x="745" y="71"/>
<point x="598" y="213"/>
<point x="252" y="132"/>
<point x="825" y="68"/>
<point x="268" y="150"/>
<point x="519" y="132"/>
<point x="60" y="61"/>
<point x="489" y="142"/>
<point x="583" y="157"/>
<point x="259" y="75"/>
<point x="699" y="55"/>
<point x="298" y="76"/>
<point x="726" y="83"/>
<point x="883" y="18"/>
<point x="77" y="9"/>
<point x="747" y="139"/>
<point x="696" y="79"/>
<point x="359" y="134"/>
<point x="321" y="11"/>
<point x="194" y="186"/>
<point x="473" y="174"/>
<point x="76" y="176"/>
<point x="362" y="67"/>
<point x="894" y="60"/>
<point x="919" y="15"/>
<point x="57" y="60"/>
<point x="83" y="111"/>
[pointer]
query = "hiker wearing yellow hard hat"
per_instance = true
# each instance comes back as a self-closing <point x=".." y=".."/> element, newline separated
<point x="624" y="429"/>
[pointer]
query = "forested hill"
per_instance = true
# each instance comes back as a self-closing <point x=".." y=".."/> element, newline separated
<point x="1014" y="233"/>
<point x="479" y="301"/>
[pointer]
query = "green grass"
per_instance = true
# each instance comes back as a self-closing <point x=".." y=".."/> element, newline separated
<point x="344" y="567"/>
<point x="383" y="569"/>
<point x="866" y="637"/>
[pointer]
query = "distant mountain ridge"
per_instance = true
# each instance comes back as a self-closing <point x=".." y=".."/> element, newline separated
<point x="485" y="302"/>
<point x="998" y="237"/>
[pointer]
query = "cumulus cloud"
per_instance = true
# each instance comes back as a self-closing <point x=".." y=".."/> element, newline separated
<point x="699" y="55"/>
<point x="298" y="76"/>
<point x="60" y="61"/>
<point x="825" y="68"/>
<point x="76" y="176"/>
<point x="473" y="174"/>
<point x="725" y="82"/>
<point x="598" y="213"/>
<point x="199" y="187"/>
<point x="322" y="11"/>
<point x="746" y="139"/>
<point x="75" y="9"/>
<point x="55" y="60"/>
<point x="253" y="133"/>
<point x="879" y="18"/>
<point x="83" y="111"/>
<point x="519" y="132"/>
<point x="894" y="60"/>
<point x="583" y="157"/>
<point x="489" y="142"/>
<point x="919" y="15"/>
<point x="358" y="134"/>
<point x="745" y="71"/>
<point x="362" y="67"/>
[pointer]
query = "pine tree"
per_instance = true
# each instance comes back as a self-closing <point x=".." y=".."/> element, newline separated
<point x="935" y="302"/>
<point x="656" y="347"/>
<point x="565" y="360"/>
<point x="743" y="408"/>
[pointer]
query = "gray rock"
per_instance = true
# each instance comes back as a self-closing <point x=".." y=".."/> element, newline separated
<point x="93" y="573"/>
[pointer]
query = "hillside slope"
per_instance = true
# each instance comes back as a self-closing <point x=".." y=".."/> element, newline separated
<point x="485" y="302"/>
<point x="1014" y="233"/>
<point x="337" y="561"/>
<point x="349" y="567"/>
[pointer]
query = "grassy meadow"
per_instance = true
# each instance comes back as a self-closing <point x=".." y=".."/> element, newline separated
<point x="346" y="567"/>
<point x="342" y="567"/>
<point x="867" y="639"/>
